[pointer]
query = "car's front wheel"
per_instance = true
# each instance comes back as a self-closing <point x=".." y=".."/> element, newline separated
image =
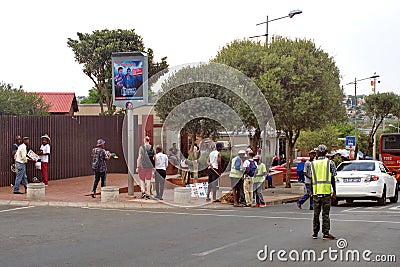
<point x="395" y="198"/>
<point x="382" y="200"/>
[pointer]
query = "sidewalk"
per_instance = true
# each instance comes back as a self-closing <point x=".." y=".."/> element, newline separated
<point x="74" y="192"/>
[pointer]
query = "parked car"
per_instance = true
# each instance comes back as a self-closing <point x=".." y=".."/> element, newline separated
<point x="293" y="169"/>
<point x="365" y="179"/>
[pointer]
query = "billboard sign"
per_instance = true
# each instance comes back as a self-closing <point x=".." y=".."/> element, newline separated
<point x="130" y="74"/>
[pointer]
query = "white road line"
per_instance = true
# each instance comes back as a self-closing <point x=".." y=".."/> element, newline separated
<point x="395" y="208"/>
<point x="205" y="253"/>
<point x="21" y="208"/>
<point x="376" y="208"/>
<point x="350" y="209"/>
<point x="241" y="216"/>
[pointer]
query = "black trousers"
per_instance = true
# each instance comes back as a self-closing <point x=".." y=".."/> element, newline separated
<point x="160" y="181"/>
<point x="97" y="177"/>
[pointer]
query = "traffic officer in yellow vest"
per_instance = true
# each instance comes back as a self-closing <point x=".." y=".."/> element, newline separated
<point x="236" y="176"/>
<point x="323" y="189"/>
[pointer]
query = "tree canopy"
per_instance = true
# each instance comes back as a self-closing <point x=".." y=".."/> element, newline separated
<point x="299" y="80"/>
<point x="15" y="101"/>
<point x="379" y="106"/>
<point x="94" y="50"/>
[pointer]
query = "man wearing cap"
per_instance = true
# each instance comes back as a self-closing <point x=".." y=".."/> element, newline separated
<point x="14" y="148"/>
<point x="21" y="160"/>
<point x="99" y="157"/>
<point x="307" y="174"/>
<point x="214" y="171"/>
<point x="323" y="172"/>
<point x="44" y="158"/>
<point x="236" y="176"/>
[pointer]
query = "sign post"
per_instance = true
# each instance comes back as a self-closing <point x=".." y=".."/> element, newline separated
<point x="130" y="90"/>
<point x="350" y="142"/>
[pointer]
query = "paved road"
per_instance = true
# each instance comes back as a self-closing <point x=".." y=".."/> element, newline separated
<point x="49" y="236"/>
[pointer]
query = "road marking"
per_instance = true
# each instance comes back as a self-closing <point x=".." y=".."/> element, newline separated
<point x="395" y="208"/>
<point x="350" y="209"/>
<point x="376" y="208"/>
<point x="21" y="208"/>
<point x="205" y="253"/>
<point x="240" y="216"/>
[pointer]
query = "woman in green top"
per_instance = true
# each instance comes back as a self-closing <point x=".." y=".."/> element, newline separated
<point x="258" y="182"/>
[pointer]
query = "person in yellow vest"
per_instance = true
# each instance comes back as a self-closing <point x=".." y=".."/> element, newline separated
<point x="236" y="176"/>
<point x="258" y="182"/>
<point x="323" y="189"/>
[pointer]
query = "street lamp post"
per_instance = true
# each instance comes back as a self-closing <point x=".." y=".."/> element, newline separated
<point x="290" y="15"/>
<point x="355" y="103"/>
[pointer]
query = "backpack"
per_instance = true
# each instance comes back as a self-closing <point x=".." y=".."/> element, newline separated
<point x="148" y="158"/>
<point x="96" y="162"/>
<point x="251" y="170"/>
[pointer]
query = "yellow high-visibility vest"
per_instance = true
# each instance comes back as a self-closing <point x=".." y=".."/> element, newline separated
<point x="235" y="173"/>
<point x="321" y="177"/>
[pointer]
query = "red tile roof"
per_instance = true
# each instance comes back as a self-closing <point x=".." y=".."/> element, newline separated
<point x="60" y="102"/>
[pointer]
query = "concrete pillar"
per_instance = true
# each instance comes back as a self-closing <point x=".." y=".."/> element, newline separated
<point x="182" y="195"/>
<point x="109" y="194"/>
<point x="35" y="191"/>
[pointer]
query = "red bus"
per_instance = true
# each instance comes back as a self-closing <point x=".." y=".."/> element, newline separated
<point x="389" y="152"/>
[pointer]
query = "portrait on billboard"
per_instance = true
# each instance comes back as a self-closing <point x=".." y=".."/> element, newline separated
<point x="128" y="78"/>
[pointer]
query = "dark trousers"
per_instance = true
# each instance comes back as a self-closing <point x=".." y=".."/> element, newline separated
<point x="300" y="176"/>
<point x="237" y="189"/>
<point x="322" y="203"/>
<point x="160" y="181"/>
<point x="97" y="177"/>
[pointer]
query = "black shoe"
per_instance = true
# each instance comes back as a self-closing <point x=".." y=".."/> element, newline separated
<point x="18" y="193"/>
<point x="147" y="197"/>
<point x="315" y="236"/>
<point x="271" y="186"/>
<point x="143" y="195"/>
<point x="93" y="194"/>
<point x="328" y="236"/>
<point x="311" y="208"/>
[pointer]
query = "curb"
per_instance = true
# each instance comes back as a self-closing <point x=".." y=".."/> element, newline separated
<point x="137" y="205"/>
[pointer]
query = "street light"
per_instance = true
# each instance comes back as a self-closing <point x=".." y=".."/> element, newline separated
<point x="355" y="102"/>
<point x="290" y="15"/>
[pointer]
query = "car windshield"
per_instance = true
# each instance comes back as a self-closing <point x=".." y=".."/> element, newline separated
<point x="356" y="166"/>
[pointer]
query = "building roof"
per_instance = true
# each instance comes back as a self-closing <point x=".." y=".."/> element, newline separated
<point x="60" y="102"/>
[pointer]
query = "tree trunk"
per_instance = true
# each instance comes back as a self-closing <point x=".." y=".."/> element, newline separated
<point x="256" y="140"/>
<point x="100" y="98"/>
<point x="108" y="98"/>
<point x="289" y="158"/>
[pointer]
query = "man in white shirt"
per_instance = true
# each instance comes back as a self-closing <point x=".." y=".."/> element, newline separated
<point x="44" y="158"/>
<point x="214" y="171"/>
<point x="21" y="160"/>
<point x="161" y="162"/>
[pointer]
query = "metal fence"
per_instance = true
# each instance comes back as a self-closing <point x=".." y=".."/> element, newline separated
<point x="72" y="139"/>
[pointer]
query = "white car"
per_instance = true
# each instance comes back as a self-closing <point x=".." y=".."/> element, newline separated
<point x="365" y="179"/>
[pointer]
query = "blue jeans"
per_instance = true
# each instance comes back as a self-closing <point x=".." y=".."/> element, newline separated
<point x="21" y="176"/>
<point x="300" y="176"/>
<point x="97" y="177"/>
<point x="306" y="196"/>
<point x="257" y="193"/>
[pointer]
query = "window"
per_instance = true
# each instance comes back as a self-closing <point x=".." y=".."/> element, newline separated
<point x="357" y="166"/>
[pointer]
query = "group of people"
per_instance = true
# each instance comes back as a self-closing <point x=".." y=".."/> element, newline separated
<point x="247" y="176"/>
<point x="20" y="155"/>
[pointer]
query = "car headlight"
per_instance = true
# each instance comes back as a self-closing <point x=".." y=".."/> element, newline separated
<point x="371" y="178"/>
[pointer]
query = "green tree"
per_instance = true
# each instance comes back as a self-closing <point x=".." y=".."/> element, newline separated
<point x="14" y="101"/>
<point x="196" y="98"/>
<point x="299" y="80"/>
<point x="93" y="97"/>
<point x="379" y="106"/>
<point x="328" y="135"/>
<point x="94" y="50"/>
